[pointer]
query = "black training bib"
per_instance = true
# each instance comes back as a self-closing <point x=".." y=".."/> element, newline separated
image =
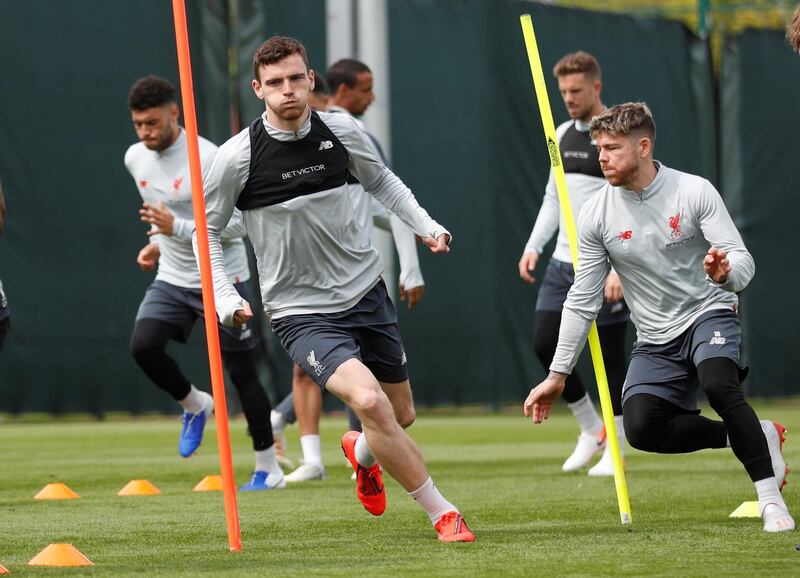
<point x="280" y="171"/>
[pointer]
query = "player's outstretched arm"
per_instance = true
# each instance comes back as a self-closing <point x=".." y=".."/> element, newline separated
<point x="539" y="402"/>
<point x="382" y="183"/>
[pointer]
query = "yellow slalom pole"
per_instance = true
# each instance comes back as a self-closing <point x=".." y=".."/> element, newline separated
<point x="572" y="235"/>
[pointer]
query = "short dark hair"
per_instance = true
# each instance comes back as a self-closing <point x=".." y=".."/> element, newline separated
<point x="275" y="49"/>
<point x="578" y="62"/>
<point x="150" y="92"/>
<point x="625" y="119"/>
<point x="320" y="87"/>
<point x="345" y="71"/>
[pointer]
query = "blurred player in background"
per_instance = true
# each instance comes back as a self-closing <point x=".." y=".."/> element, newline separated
<point x="580" y="84"/>
<point x="159" y="165"/>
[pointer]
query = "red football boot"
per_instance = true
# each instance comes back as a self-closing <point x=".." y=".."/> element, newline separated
<point x="452" y="528"/>
<point x="369" y="482"/>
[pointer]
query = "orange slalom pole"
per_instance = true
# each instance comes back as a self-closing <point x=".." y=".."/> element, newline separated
<point x="209" y="308"/>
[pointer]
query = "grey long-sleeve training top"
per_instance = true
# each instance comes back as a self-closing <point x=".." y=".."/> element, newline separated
<point x="656" y="241"/>
<point x="312" y="255"/>
<point x="163" y="177"/>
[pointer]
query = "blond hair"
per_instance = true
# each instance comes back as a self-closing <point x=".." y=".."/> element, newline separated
<point x="578" y="62"/>
<point x="624" y="119"/>
<point x="793" y="30"/>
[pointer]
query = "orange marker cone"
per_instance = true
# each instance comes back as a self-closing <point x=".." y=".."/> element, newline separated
<point x="4" y="570"/>
<point x="209" y="484"/>
<point x="56" y="492"/>
<point x="60" y="555"/>
<point x="139" y="488"/>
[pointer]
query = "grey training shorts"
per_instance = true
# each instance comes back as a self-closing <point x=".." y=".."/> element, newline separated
<point x="321" y="342"/>
<point x="669" y="370"/>
<point x="182" y="307"/>
<point x="558" y="278"/>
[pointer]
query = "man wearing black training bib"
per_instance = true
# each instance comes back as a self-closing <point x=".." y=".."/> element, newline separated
<point x="320" y="278"/>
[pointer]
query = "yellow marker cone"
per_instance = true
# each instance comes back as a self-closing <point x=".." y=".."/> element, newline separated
<point x="746" y="510"/>
<point x="4" y="570"/>
<point x="139" y="488"/>
<point x="56" y="492"/>
<point x="209" y="484"/>
<point x="60" y="555"/>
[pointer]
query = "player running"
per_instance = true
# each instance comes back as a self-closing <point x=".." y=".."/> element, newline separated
<point x="681" y="261"/>
<point x="320" y="277"/>
<point x="159" y="165"/>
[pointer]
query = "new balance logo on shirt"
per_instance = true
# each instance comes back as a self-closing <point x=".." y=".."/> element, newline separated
<point x="326" y="144"/>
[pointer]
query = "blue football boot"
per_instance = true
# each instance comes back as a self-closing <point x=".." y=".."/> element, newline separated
<point x="263" y="481"/>
<point x="192" y="433"/>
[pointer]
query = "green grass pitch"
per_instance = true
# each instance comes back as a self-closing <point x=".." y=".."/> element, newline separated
<point x="504" y="474"/>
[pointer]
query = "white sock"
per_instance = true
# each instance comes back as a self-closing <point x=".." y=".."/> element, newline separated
<point x="363" y="454"/>
<point x="432" y="501"/>
<point x="620" y="433"/>
<point x="587" y="417"/>
<point x="312" y="453"/>
<point x="266" y="461"/>
<point x="278" y="422"/>
<point x="196" y="400"/>
<point x="768" y="493"/>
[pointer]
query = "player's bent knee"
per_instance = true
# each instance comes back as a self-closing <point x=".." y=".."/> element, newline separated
<point x="144" y="351"/>
<point x="370" y="401"/>
<point x="406" y="416"/>
<point x="639" y="434"/>
<point x="716" y="390"/>
<point x="724" y="395"/>
<point x="298" y="373"/>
